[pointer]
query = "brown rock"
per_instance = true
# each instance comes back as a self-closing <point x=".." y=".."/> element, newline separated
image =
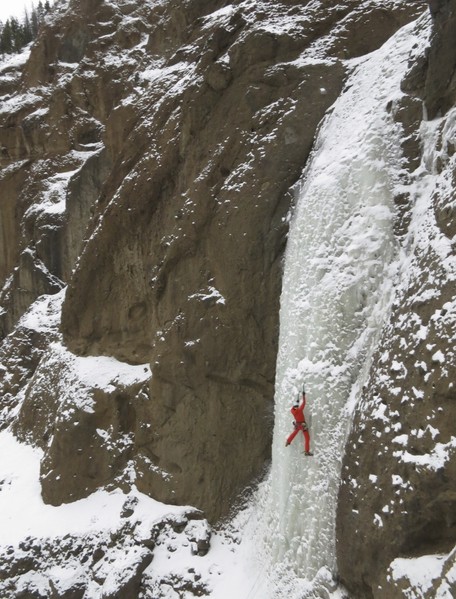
<point x="440" y="90"/>
<point x="201" y="321"/>
<point x="85" y="426"/>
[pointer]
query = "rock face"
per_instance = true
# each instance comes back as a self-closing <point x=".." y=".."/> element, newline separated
<point x="397" y="498"/>
<point x="148" y="154"/>
<point x="148" y="158"/>
<point x="440" y="88"/>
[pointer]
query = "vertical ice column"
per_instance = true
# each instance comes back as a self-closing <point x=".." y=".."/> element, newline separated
<point x="337" y="287"/>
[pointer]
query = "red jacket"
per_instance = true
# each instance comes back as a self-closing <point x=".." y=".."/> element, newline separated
<point x="298" y="413"/>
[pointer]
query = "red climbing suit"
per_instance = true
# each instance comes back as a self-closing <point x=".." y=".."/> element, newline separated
<point x="300" y="424"/>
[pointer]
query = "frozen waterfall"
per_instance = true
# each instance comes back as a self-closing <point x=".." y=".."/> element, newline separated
<point x="339" y="273"/>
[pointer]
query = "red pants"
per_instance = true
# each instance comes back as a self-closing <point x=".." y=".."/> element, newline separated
<point x="299" y="427"/>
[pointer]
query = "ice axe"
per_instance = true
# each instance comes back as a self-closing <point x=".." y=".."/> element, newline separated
<point x="302" y="393"/>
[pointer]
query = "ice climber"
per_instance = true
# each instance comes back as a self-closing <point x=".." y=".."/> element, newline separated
<point x="300" y="424"/>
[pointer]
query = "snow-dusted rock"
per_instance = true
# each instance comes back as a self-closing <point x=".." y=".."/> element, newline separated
<point x="397" y="502"/>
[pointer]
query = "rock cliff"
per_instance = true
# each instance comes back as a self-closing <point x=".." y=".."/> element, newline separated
<point x="397" y="498"/>
<point x="148" y="155"/>
<point x="149" y="151"/>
